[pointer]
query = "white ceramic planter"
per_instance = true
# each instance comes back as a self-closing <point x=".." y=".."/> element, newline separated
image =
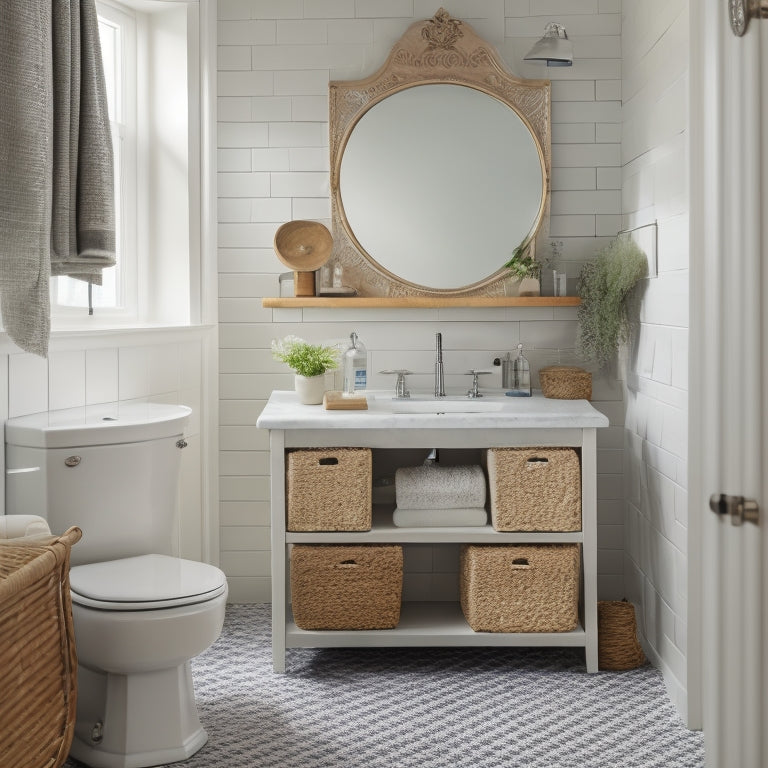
<point x="310" y="389"/>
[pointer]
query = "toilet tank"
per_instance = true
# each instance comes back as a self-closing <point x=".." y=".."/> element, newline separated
<point x="111" y="470"/>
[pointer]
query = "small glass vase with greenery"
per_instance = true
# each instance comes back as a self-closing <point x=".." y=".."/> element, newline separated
<point x="605" y="285"/>
<point x="523" y="266"/>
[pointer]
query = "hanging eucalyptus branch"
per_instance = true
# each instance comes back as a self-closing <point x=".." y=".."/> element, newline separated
<point x="604" y="285"/>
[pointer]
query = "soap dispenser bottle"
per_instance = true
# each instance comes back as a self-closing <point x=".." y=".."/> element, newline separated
<point x="521" y="375"/>
<point x="355" y="366"/>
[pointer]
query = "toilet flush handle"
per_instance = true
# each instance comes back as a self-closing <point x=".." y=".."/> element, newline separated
<point x="181" y="443"/>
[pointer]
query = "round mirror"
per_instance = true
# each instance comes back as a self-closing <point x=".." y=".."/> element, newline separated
<point x="439" y="183"/>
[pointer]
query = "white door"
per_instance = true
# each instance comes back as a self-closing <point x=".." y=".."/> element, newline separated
<point x="728" y="577"/>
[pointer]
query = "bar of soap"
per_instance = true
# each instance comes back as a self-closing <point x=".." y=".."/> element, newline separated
<point x="337" y="401"/>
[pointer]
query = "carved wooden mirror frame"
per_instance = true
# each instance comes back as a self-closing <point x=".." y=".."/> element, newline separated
<point x="437" y="50"/>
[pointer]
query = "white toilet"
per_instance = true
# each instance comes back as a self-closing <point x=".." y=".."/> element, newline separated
<point x="140" y="614"/>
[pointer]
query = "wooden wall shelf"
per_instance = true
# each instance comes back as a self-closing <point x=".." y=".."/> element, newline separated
<point x="426" y="302"/>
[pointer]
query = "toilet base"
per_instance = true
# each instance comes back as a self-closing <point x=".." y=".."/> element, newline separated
<point x="138" y="720"/>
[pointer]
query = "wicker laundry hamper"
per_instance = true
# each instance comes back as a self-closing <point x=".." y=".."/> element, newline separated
<point x="37" y="651"/>
<point x="329" y="489"/>
<point x="617" y="644"/>
<point x="338" y="586"/>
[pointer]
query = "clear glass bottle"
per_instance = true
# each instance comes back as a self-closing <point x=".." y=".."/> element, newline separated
<point x="355" y="366"/>
<point x="521" y="375"/>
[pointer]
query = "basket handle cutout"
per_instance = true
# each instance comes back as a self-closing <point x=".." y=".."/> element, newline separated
<point x="328" y="461"/>
<point x="520" y="563"/>
<point x="537" y="462"/>
<point x="347" y="564"/>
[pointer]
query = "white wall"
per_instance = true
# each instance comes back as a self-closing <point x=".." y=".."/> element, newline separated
<point x="164" y="366"/>
<point x="275" y="59"/>
<point x="655" y="187"/>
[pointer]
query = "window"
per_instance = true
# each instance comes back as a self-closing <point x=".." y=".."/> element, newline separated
<point x="145" y="56"/>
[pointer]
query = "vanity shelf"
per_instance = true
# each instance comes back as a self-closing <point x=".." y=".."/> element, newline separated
<point x="426" y="302"/>
<point x="535" y="422"/>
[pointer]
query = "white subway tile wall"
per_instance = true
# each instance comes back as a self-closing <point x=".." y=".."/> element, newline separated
<point x="654" y="177"/>
<point x="277" y="58"/>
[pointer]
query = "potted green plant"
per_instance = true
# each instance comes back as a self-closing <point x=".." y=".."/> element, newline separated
<point x="310" y="362"/>
<point x="604" y="287"/>
<point x="525" y="271"/>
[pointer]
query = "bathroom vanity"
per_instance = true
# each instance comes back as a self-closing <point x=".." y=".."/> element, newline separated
<point x="494" y="421"/>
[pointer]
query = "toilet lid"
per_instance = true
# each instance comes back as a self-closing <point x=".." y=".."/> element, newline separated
<point x="145" y="582"/>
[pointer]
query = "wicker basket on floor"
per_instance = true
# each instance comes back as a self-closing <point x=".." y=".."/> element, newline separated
<point x="520" y="587"/>
<point x="617" y="644"/>
<point x="329" y="489"/>
<point x="337" y="586"/>
<point x="534" y="489"/>
<point x="37" y="651"/>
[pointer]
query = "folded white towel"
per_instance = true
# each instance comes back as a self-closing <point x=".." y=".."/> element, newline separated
<point x="436" y="487"/>
<point x="17" y="526"/>
<point x="428" y="518"/>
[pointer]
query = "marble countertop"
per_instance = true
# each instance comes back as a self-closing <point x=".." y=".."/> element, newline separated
<point x="283" y="411"/>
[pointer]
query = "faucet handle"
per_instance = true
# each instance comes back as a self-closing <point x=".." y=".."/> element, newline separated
<point x="475" y="390"/>
<point x="401" y="391"/>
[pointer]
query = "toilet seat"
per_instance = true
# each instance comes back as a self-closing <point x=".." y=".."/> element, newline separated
<point x="145" y="582"/>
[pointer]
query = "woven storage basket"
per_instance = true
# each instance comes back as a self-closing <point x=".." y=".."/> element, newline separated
<point x="565" y="382"/>
<point x="346" y="587"/>
<point x="534" y="489"/>
<point x="520" y="588"/>
<point x="617" y="644"/>
<point x="329" y="489"/>
<point x="37" y="651"/>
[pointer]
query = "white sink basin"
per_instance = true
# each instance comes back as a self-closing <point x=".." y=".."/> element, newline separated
<point x="429" y="404"/>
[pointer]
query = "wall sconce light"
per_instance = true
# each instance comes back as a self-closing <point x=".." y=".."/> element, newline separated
<point x="555" y="49"/>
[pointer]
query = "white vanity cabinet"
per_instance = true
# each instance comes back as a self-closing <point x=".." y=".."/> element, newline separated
<point x="518" y="422"/>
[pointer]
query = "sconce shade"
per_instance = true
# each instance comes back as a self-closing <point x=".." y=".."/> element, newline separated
<point x="554" y="49"/>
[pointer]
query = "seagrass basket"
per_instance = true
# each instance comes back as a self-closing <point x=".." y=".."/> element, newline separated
<point x="37" y="651"/>
<point x="617" y="645"/>
<point x="519" y="587"/>
<point x="565" y="382"/>
<point x="346" y="586"/>
<point x="534" y="489"/>
<point x="329" y="489"/>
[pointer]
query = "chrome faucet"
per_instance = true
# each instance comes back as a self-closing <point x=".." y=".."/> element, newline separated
<point x="439" y="375"/>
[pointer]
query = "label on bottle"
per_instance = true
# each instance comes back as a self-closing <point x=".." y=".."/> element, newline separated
<point x="360" y="378"/>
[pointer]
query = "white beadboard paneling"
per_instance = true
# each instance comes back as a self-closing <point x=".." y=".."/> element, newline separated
<point x="163" y="368"/>
<point x="101" y="375"/>
<point x="244" y="513"/>
<point x="66" y="379"/>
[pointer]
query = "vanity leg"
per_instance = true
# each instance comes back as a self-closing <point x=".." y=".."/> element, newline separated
<point x="277" y="494"/>
<point x="589" y="547"/>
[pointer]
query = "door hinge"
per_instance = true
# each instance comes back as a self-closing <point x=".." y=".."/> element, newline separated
<point x="737" y="507"/>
